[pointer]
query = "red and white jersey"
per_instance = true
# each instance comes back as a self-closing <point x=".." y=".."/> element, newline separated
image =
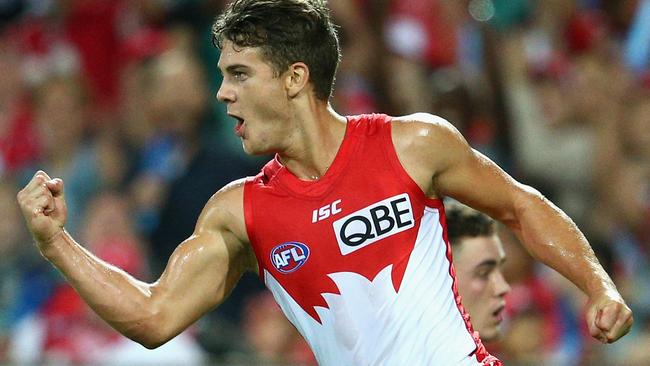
<point x="359" y="260"/>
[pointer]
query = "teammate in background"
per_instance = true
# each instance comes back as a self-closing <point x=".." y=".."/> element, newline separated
<point x="478" y="258"/>
<point x="344" y="225"/>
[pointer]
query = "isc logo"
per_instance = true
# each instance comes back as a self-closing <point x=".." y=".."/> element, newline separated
<point x="325" y="211"/>
<point x="373" y="223"/>
<point x="288" y="257"/>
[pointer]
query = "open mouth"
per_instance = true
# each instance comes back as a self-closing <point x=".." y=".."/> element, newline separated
<point x="498" y="313"/>
<point x="239" y="124"/>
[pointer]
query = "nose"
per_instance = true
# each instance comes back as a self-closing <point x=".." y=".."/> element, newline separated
<point x="501" y="286"/>
<point x="225" y="93"/>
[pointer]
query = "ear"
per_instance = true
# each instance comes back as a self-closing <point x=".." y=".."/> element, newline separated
<point x="296" y="79"/>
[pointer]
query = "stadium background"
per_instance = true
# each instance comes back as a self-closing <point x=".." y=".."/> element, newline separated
<point x="117" y="98"/>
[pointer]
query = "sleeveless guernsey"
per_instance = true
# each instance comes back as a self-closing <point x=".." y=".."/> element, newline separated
<point x="359" y="260"/>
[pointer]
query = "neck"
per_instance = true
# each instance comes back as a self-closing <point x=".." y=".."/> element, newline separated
<point x="315" y="142"/>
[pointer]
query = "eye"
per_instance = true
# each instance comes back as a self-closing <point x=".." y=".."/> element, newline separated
<point x="239" y="75"/>
<point x="483" y="273"/>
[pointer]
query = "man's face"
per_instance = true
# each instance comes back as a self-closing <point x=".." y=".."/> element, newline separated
<point x="256" y="98"/>
<point x="481" y="284"/>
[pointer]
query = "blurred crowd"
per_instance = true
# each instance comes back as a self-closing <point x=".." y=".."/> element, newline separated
<point x="117" y="98"/>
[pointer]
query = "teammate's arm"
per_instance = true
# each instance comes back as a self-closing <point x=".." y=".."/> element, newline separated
<point x="546" y="232"/>
<point x="199" y="275"/>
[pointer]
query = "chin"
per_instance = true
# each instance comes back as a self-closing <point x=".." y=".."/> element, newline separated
<point x="246" y="149"/>
<point x="490" y="335"/>
<point x="250" y="149"/>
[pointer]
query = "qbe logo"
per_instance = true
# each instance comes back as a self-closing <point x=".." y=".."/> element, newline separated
<point x="373" y="223"/>
<point x="288" y="257"/>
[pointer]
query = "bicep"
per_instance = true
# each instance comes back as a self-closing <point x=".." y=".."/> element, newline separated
<point x="205" y="268"/>
<point x="199" y="275"/>
<point x="472" y="178"/>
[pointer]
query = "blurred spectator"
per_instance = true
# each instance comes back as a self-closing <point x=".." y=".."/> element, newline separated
<point x="92" y="27"/>
<point x="18" y="143"/>
<point x="622" y="214"/>
<point x="356" y="89"/>
<point x="175" y="111"/>
<point x="20" y="269"/>
<point x="271" y="338"/>
<point x="87" y="164"/>
<point x="139" y="52"/>
<point x="637" y="46"/>
<point x="440" y="60"/>
<point x="635" y="134"/>
<point x="421" y="36"/>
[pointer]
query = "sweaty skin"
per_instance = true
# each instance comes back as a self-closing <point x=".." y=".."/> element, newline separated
<point x="428" y="144"/>
<point x="281" y="114"/>
<point x="199" y="275"/>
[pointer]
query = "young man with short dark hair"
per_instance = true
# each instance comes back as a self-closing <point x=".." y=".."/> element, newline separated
<point x="478" y="258"/>
<point x="345" y="225"/>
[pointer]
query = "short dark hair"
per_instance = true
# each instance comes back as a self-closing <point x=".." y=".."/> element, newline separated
<point x="465" y="222"/>
<point x="287" y="31"/>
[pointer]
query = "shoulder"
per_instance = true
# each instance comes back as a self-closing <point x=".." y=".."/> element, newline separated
<point x="423" y="126"/>
<point x="224" y="211"/>
<point x="229" y="192"/>
<point x="227" y="200"/>
<point x="425" y="135"/>
<point x="426" y="145"/>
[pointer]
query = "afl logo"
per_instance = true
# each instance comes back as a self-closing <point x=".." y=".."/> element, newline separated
<point x="288" y="257"/>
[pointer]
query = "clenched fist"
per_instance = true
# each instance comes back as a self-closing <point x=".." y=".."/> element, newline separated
<point x="608" y="317"/>
<point x="43" y="206"/>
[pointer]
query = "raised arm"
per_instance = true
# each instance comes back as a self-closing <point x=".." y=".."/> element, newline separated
<point x="199" y="275"/>
<point x="439" y="159"/>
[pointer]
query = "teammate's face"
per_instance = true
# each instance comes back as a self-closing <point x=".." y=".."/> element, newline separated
<point x="255" y="97"/>
<point x="481" y="284"/>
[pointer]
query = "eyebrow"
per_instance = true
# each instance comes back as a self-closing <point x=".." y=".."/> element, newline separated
<point x="487" y="263"/>
<point x="232" y="68"/>
<point x="491" y="263"/>
<point x="235" y="67"/>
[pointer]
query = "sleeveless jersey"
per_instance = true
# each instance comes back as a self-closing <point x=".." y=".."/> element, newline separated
<point x="359" y="260"/>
